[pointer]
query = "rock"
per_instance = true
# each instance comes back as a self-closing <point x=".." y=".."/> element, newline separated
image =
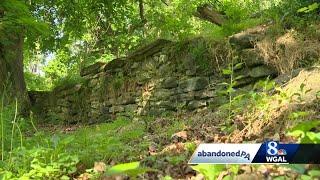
<point x="251" y="57"/>
<point x="191" y="72"/>
<point x="99" y="75"/>
<point x="93" y="83"/>
<point x="155" y="111"/>
<point x="166" y="104"/>
<point x="160" y="94"/>
<point x="247" y="38"/>
<point x="130" y="108"/>
<point x="245" y="81"/>
<point x="104" y="110"/>
<point x="63" y="103"/>
<point x="135" y="65"/>
<point x="183" y="97"/>
<point x="192" y="105"/>
<point x="115" y="65"/>
<point x="194" y="84"/>
<point x="308" y="80"/>
<point x="95" y="104"/>
<point x="67" y="90"/>
<point x="92" y="69"/>
<point x="163" y="58"/>
<point x="262" y="71"/>
<point x="207" y="94"/>
<point x="116" y="109"/>
<point x="170" y="82"/>
<point x="284" y="78"/>
<point x="217" y="101"/>
<point x="126" y="99"/>
<point x="150" y="49"/>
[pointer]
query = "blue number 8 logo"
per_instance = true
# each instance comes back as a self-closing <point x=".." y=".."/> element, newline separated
<point x="272" y="148"/>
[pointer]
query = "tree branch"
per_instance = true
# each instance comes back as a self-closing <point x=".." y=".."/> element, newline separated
<point x="208" y="13"/>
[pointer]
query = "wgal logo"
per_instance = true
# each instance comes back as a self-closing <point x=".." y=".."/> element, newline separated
<point x="274" y="154"/>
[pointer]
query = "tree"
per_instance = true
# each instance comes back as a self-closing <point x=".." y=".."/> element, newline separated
<point x="15" y="22"/>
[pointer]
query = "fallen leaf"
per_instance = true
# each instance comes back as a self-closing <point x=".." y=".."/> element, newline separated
<point x="99" y="167"/>
<point x="179" y="136"/>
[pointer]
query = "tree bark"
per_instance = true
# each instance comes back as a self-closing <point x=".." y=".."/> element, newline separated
<point x="208" y="13"/>
<point x="141" y="9"/>
<point x="12" y="74"/>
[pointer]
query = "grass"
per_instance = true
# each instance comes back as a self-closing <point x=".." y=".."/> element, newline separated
<point x="99" y="143"/>
<point x="112" y="143"/>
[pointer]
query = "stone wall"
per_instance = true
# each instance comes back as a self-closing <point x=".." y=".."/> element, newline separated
<point x="162" y="77"/>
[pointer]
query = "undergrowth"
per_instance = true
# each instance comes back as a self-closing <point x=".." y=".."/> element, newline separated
<point x="47" y="155"/>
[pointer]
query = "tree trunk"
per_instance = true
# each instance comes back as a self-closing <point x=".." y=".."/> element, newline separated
<point x="11" y="67"/>
<point x="208" y="13"/>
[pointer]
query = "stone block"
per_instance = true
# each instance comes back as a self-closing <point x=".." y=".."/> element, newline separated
<point x="262" y="71"/>
<point x="192" y="105"/>
<point x="116" y="109"/>
<point x="194" y="84"/>
<point x="170" y="82"/>
<point x="251" y="57"/>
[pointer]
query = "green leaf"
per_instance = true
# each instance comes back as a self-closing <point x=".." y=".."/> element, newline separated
<point x="306" y="126"/>
<point x="230" y="90"/>
<point x="279" y="178"/>
<point x="307" y="91"/>
<point x="131" y="169"/>
<point x="299" y="168"/>
<point x="314" y="137"/>
<point x="314" y="173"/>
<point x="305" y="177"/>
<point x="304" y="9"/>
<point x="239" y="77"/>
<point x="296" y="133"/>
<point x="228" y="177"/>
<point x="64" y="177"/>
<point x="167" y="178"/>
<point x="223" y="84"/>
<point x="238" y="66"/>
<point x="298" y="114"/>
<point x="318" y="95"/>
<point x="310" y="8"/>
<point x="208" y="170"/>
<point x="302" y="85"/>
<point x="296" y="94"/>
<point x="234" y="169"/>
<point x="5" y="175"/>
<point x="313" y="7"/>
<point x="226" y="72"/>
<point x="120" y="168"/>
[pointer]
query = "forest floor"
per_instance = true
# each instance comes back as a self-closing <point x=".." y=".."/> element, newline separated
<point x="165" y="146"/>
